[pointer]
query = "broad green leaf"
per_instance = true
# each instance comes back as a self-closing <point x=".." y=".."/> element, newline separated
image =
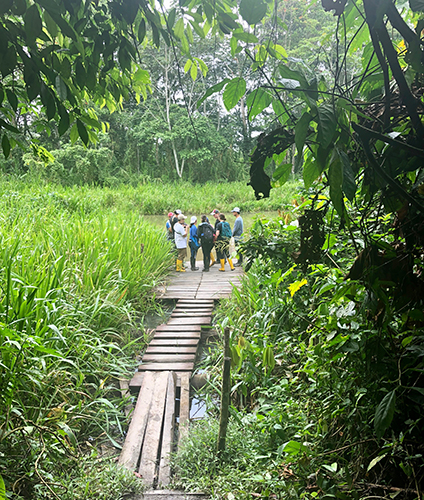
<point x="193" y="72"/>
<point x="74" y="134"/>
<point x="268" y="360"/>
<point x="5" y="144"/>
<point x="61" y="89"/>
<point x="82" y="132"/>
<point x="155" y="35"/>
<point x="257" y="101"/>
<point x="301" y="131"/>
<point x="311" y="171"/>
<point x="252" y="11"/>
<point x="33" y="23"/>
<point x="327" y="124"/>
<point x="141" y="30"/>
<point x="143" y="76"/>
<point x="416" y="5"/>
<point x="294" y="448"/>
<point x="189" y="33"/>
<point x="171" y="18"/>
<point x="202" y="66"/>
<point x="245" y="37"/>
<point x="233" y="45"/>
<point x="349" y="184"/>
<point x="290" y="74"/>
<point x="384" y="413"/>
<point x="335" y="178"/>
<point x="187" y="65"/>
<point x="179" y="28"/>
<point x="281" y="174"/>
<point x="228" y="21"/>
<point x="198" y="29"/>
<point x="5" y="5"/>
<point x="50" y="24"/>
<point x="234" y="91"/>
<point x="13" y="99"/>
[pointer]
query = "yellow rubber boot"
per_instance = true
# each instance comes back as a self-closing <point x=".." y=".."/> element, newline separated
<point x="230" y="261"/>
<point x="222" y="268"/>
<point x="180" y="268"/>
<point x="213" y="261"/>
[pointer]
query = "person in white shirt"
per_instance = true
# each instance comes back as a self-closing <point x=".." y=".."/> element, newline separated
<point x="180" y="237"/>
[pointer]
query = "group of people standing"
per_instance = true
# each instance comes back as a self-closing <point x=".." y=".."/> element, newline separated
<point x="205" y="236"/>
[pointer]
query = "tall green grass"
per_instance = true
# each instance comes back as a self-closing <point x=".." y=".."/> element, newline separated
<point x="74" y="278"/>
<point x="155" y="198"/>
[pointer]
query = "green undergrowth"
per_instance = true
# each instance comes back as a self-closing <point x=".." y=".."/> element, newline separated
<point x="74" y="287"/>
<point x="155" y="198"/>
<point x="326" y="398"/>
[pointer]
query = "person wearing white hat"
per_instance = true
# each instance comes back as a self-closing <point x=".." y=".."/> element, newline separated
<point x="193" y="243"/>
<point x="238" y="233"/>
<point x="180" y="232"/>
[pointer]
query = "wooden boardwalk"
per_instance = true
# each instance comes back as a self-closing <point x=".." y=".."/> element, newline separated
<point x="162" y="382"/>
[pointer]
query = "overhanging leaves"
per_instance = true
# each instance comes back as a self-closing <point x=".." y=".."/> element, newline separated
<point x="234" y="91"/>
<point x="384" y="413"/>
<point x="253" y="11"/>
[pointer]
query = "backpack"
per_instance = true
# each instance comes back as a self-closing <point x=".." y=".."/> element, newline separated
<point x="207" y="233"/>
<point x="226" y="230"/>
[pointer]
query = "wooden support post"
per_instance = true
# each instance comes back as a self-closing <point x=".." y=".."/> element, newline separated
<point x="225" y="393"/>
<point x="184" y="405"/>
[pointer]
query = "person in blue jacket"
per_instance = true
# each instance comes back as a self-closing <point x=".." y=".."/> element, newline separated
<point x="193" y="243"/>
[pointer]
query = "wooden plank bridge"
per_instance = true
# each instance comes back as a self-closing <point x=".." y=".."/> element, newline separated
<point x="162" y="382"/>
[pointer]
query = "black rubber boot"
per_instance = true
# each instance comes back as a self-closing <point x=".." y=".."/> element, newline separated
<point x="193" y="264"/>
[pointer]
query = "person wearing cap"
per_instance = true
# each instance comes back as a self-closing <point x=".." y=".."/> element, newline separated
<point x="174" y="220"/>
<point x="193" y="243"/>
<point x="168" y="226"/>
<point x="180" y="236"/>
<point x="215" y="213"/>
<point x="238" y="233"/>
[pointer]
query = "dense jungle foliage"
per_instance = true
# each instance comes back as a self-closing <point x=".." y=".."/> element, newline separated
<point x="327" y="331"/>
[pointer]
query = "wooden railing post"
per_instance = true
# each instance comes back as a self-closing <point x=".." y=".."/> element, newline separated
<point x="225" y="392"/>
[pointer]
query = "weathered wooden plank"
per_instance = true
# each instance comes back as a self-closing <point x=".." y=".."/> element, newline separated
<point x="190" y="314"/>
<point x="184" y="405"/>
<point x="193" y="307"/>
<point x="179" y="328"/>
<point x="174" y="367"/>
<point x="132" y="446"/>
<point x="180" y="335"/>
<point x="205" y="320"/>
<point x="170" y="349"/>
<point x="164" y="476"/>
<point x="137" y="381"/>
<point x="167" y="358"/>
<point x="205" y="302"/>
<point x="173" y="341"/>
<point x="150" y="451"/>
